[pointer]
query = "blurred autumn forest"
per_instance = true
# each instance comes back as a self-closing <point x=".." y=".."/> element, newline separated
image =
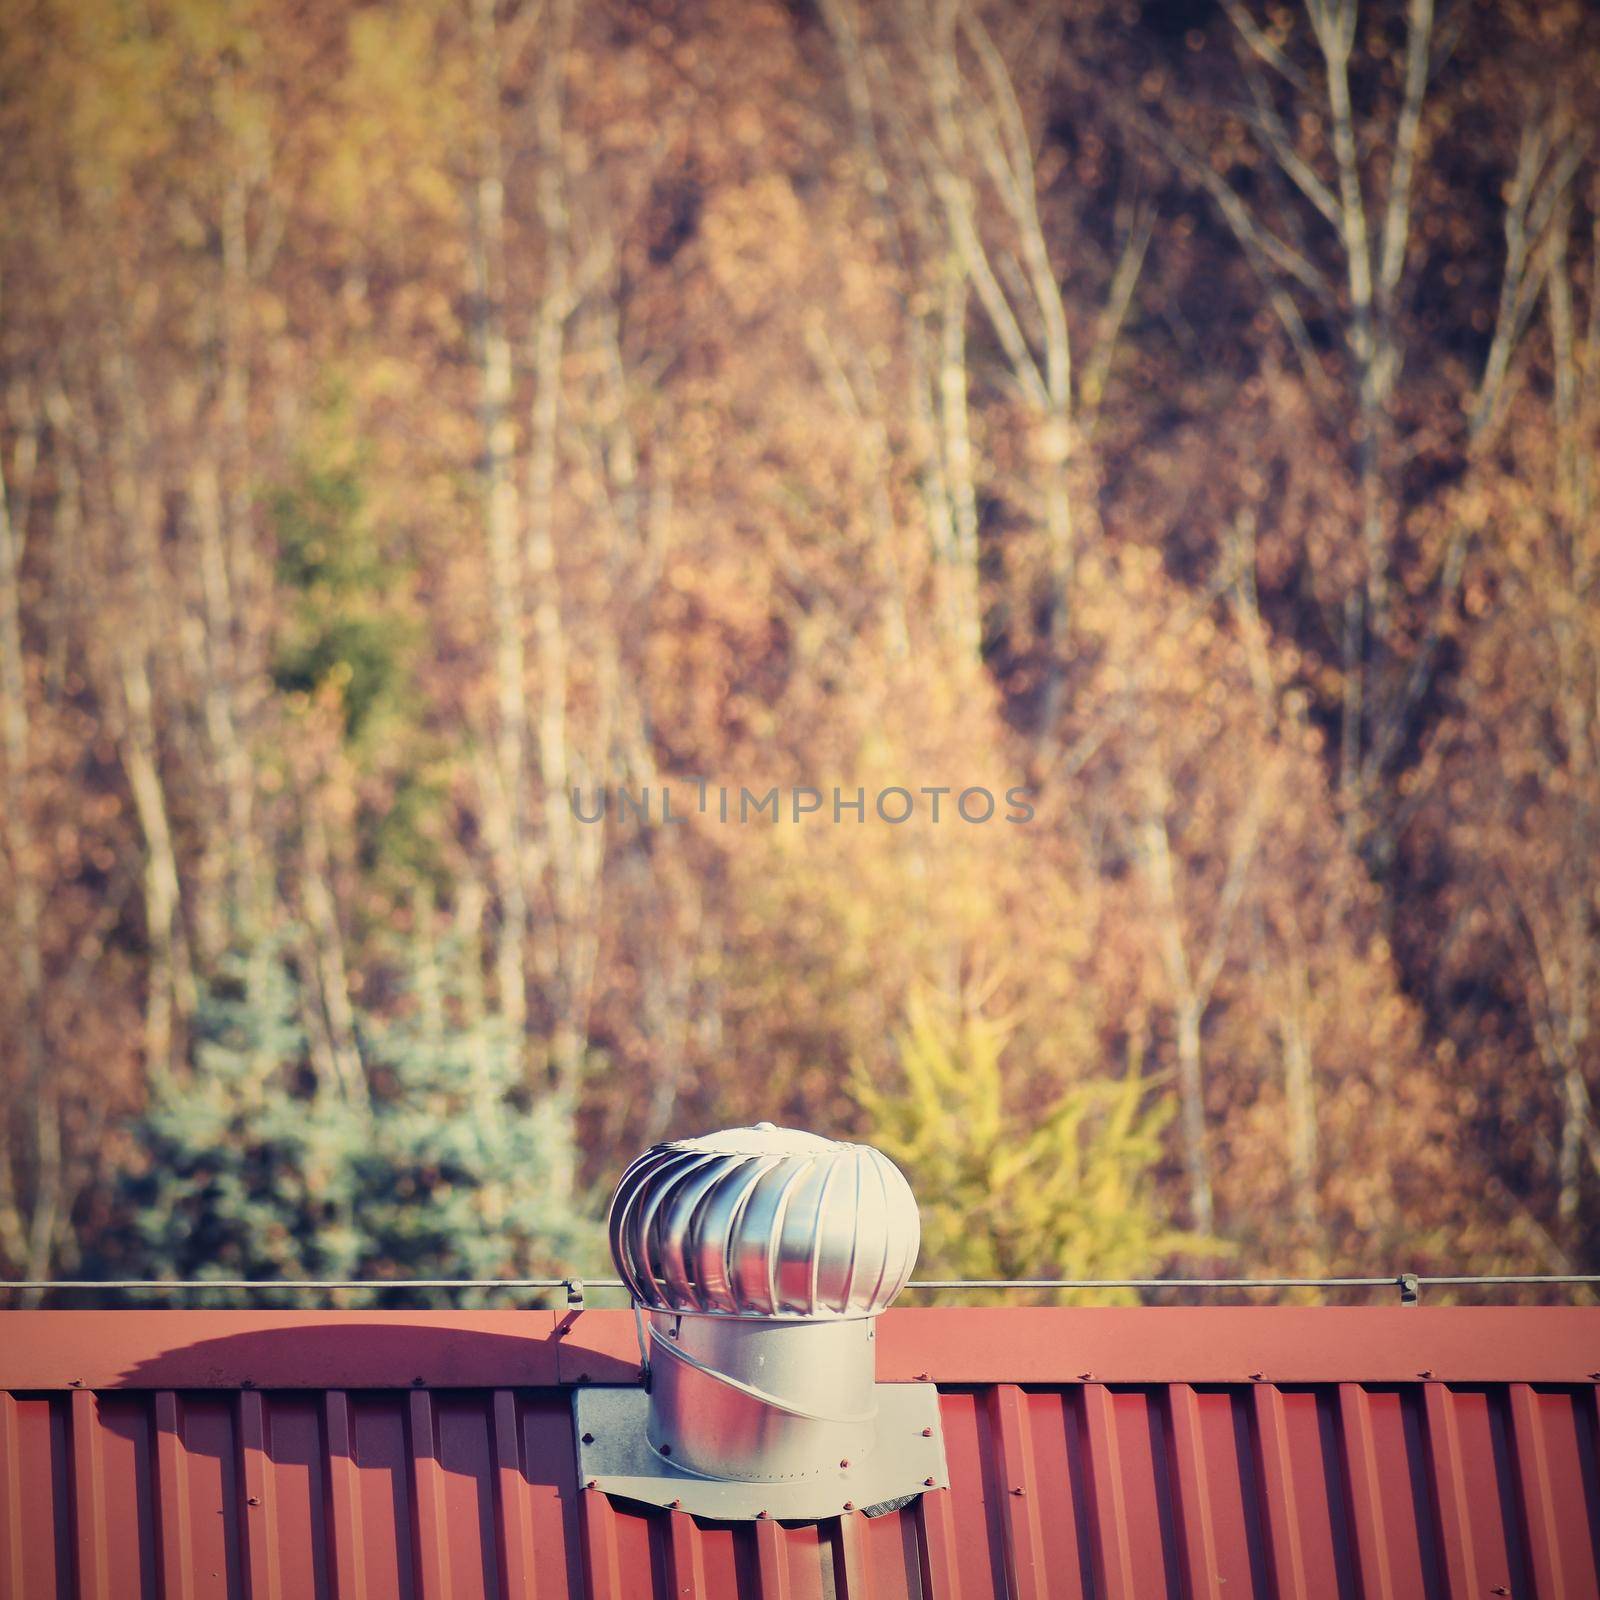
<point x="413" y="413"/>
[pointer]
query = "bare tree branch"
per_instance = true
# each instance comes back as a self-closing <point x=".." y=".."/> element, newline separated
<point x="1262" y="46"/>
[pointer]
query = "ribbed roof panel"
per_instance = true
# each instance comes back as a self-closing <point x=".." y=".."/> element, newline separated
<point x="172" y="1478"/>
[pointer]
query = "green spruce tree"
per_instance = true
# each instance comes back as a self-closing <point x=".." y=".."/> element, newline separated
<point x="256" y="1168"/>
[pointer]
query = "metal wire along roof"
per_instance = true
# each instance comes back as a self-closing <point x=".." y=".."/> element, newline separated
<point x="1409" y="1284"/>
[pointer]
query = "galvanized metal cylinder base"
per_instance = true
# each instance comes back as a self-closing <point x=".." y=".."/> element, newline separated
<point x="761" y="1399"/>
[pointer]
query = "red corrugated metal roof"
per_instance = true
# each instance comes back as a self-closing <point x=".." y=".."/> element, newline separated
<point x="1217" y="1453"/>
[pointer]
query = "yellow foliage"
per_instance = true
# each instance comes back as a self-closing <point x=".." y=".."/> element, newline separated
<point x="1064" y="1190"/>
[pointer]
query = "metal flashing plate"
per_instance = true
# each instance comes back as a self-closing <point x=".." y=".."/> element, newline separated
<point x="615" y="1456"/>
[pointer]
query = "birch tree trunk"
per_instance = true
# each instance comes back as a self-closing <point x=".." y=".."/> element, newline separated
<point x="504" y="796"/>
<point x="1192" y="975"/>
<point x="22" y="1227"/>
<point x="1192" y="1114"/>
<point x="232" y="841"/>
<point x="556" y="943"/>
<point x="343" y="1055"/>
<point x="1299" y="1087"/>
<point x="938" y="382"/>
<point x="169" y="985"/>
<point x="959" y="476"/>
<point x="1188" y="1012"/>
<point x="133" y="555"/>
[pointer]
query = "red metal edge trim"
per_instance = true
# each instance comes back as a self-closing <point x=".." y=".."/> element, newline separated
<point x="1190" y="1344"/>
<point x="945" y="1344"/>
<point x="277" y="1349"/>
<point x="1239" y="1344"/>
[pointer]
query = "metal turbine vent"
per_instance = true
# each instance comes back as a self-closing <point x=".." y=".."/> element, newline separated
<point x="764" y="1222"/>
<point x="759" y="1259"/>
